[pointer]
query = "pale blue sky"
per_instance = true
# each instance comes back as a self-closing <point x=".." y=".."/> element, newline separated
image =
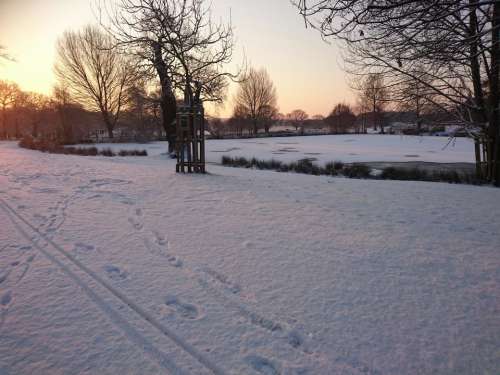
<point x="305" y="70"/>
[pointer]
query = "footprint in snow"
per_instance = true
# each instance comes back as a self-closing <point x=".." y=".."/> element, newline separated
<point x="115" y="273"/>
<point x="262" y="365"/>
<point x="160" y="239"/>
<point x="82" y="247"/>
<point x="135" y="223"/>
<point x="174" y="261"/>
<point x="4" y="276"/>
<point x="224" y="280"/>
<point x="185" y="310"/>
<point x="6" y="298"/>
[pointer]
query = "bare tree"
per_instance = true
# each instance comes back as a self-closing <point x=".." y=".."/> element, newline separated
<point x="298" y="117"/>
<point x="63" y="103"/>
<point x="181" y="44"/>
<point x="8" y="93"/>
<point x="455" y="42"/>
<point x="256" y="99"/>
<point x="374" y="93"/>
<point x="37" y="107"/>
<point x="413" y="96"/>
<point x="95" y="73"/>
<point x="341" y="119"/>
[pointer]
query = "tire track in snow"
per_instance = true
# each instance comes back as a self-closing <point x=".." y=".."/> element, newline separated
<point x="131" y="332"/>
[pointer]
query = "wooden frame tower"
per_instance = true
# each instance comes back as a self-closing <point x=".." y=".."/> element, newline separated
<point x="190" y="140"/>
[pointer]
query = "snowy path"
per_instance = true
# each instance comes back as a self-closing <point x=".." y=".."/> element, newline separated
<point x="119" y="265"/>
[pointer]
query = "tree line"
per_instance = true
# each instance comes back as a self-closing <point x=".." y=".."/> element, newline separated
<point x="139" y="60"/>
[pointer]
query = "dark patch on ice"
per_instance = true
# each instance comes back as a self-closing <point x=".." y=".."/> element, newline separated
<point x="262" y="365"/>
<point x="312" y="153"/>
<point x="228" y="150"/>
<point x="288" y="149"/>
<point x="412" y="156"/>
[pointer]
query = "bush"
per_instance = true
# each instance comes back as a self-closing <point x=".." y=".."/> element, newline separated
<point x="330" y="169"/>
<point x="133" y="153"/>
<point x="357" y="171"/>
<point x="414" y="174"/>
<point x="338" y="165"/>
<point x="107" y="152"/>
<point x="27" y="142"/>
<point x="55" y="148"/>
<point x="306" y="166"/>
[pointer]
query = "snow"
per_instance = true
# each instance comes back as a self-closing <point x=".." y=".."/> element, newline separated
<point x="118" y="265"/>
<point x="346" y="148"/>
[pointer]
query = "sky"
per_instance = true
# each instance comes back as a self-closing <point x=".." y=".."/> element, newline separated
<point x="271" y="34"/>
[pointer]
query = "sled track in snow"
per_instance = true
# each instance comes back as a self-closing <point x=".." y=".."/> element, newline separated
<point x="11" y="213"/>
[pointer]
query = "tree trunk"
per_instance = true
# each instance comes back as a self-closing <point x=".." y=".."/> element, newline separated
<point x="493" y="128"/>
<point x="169" y="110"/>
<point x="167" y="100"/>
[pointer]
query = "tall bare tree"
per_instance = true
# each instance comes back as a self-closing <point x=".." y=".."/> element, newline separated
<point x="37" y="107"/>
<point x="373" y="92"/>
<point x="94" y="72"/>
<point x="180" y="43"/>
<point x="456" y="43"/>
<point x="256" y="98"/>
<point x="414" y="97"/>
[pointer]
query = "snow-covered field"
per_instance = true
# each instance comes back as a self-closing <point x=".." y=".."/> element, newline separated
<point x="120" y="266"/>
<point x="346" y="148"/>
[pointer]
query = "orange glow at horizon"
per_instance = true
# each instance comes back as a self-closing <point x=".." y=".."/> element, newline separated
<point x="272" y="35"/>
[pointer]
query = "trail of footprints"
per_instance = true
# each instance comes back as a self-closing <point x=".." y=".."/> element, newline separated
<point x="12" y="274"/>
<point x="220" y="284"/>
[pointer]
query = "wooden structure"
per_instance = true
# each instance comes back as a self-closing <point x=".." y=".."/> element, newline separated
<point x="190" y="138"/>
